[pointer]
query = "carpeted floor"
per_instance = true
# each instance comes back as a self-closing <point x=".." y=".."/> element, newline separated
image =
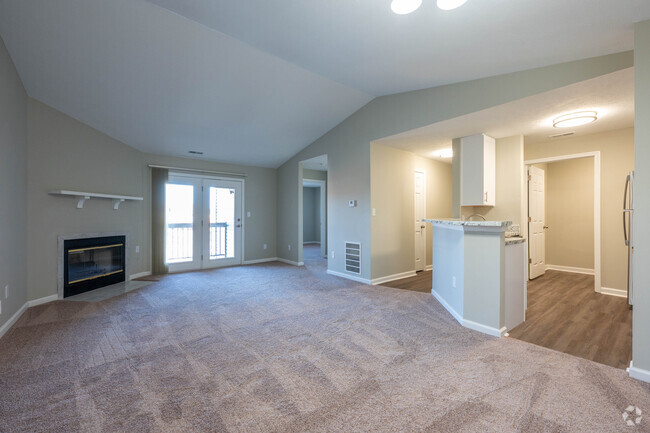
<point x="277" y="348"/>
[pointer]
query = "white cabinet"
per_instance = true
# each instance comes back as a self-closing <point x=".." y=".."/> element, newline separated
<point x="477" y="170"/>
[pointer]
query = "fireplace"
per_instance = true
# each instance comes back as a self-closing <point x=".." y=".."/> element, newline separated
<point x="93" y="262"/>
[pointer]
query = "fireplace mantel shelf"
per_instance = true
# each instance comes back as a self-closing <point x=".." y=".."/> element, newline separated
<point x="83" y="196"/>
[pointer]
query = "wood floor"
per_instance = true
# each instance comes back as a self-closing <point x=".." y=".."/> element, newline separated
<point x="565" y="314"/>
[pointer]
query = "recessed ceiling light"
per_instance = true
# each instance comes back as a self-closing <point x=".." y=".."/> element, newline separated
<point x="403" y="7"/>
<point x="447" y="5"/>
<point x="444" y="153"/>
<point x="575" y="119"/>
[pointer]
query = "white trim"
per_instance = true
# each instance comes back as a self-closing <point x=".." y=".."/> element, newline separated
<point x="596" y="156"/>
<point x="139" y="275"/>
<point x="636" y="373"/>
<point x="485" y="329"/>
<point x="4" y="328"/>
<point x="393" y="277"/>
<point x="429" y="268"/>
<point x="613" y="292"/>
<point x="448" y="307"/>
<point x="253" y="262"/>
<point x="348" y="276"/>
<point x="43" y="300"/>
<point x="585" y="271"/>
<point x="290" y="262"/>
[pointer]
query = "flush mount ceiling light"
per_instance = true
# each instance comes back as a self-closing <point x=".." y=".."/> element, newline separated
<point x="447" y="5"/>
<point x="403" y="7"/>
<point x="444" y="153"/>
<point x="575" y="119"/>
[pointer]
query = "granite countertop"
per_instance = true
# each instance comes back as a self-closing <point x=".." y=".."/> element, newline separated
<point x="515" y="240"/>
<point x="457" y="222"/>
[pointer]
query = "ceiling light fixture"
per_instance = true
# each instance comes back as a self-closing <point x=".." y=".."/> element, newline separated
<point x="403" y="7"/>
<point x="444" y="153"/>
<point x="447" y="5"/>
<point x="575" y="119"/>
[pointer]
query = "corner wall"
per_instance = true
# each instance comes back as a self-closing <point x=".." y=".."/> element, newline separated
<point x="641" y="316"/>
<point x="13" y="188"/>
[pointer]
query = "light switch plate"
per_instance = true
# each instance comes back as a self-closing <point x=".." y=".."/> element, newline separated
<point x="352" y="203"/>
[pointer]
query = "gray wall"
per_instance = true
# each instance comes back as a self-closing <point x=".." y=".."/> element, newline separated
<point x="66" y="154"/>
<point x="641" y="317"/>
<point x="13" y="187"/>
<point x="348" y="145"/>
<point x="311" y="214"/>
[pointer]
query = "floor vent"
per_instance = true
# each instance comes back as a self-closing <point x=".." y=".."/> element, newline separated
<point x="353" y="257"/>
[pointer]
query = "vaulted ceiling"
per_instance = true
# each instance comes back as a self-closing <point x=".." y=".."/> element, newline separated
<point x="255" y="81"/>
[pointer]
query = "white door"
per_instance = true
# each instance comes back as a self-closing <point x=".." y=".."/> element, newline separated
<point x="222" y="223"/>
<point x="536" y="249"/>
<point x="203" y="223"/>
<point x="420" y="226"/>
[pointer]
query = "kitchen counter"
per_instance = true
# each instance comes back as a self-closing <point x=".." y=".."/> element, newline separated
<point x="515" y="240"/>
<point x="462" y="223"/>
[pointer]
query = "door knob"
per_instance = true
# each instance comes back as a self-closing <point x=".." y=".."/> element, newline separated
<point x="423" y="227"/>
<point x="545" y="227"/>
<point x="238" y="225"/>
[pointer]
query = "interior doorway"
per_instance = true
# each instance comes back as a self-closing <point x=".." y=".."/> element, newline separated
<point x="203" y="222"/>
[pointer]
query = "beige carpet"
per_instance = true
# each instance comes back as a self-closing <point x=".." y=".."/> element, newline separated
<point x="276" y="348"/>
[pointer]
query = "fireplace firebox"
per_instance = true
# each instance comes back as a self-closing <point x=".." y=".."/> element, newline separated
<point x="91" y="263"/>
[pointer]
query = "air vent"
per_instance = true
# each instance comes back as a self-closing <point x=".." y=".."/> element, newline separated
<point x="195" y="152"/>
<point x="564" y="134"/>
<point x="353" y="257"/>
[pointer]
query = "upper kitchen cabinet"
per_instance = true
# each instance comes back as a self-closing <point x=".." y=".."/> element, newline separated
<point x="477" y="170"/>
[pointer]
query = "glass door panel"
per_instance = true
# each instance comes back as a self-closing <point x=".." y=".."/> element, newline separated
<point x="182" y="224"/>
<point x="223" y="238"/>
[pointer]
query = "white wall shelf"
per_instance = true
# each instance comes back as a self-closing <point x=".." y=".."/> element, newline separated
<point x="83" y="196"/>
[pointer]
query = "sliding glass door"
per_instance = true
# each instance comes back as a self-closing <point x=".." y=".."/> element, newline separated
<point x="203" y="223"/>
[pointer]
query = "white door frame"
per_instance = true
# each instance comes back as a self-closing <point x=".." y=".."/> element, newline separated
<point x="424" y="199"/>
<point x="596" y="156"/>
<point x="323" y="212"/>
<point x="243" y="207"/>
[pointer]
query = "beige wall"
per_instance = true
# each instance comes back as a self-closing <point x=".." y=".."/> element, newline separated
<point x="509" y="183"/>
<point x="314" y="174"/>
<point x="13" y="188"/>
<point x="617" y="159"/>
<point x="392" y="196"/>
<point x="66" y="154"/>
<point x="570" y="213"/>
<point x="641" y="317"/>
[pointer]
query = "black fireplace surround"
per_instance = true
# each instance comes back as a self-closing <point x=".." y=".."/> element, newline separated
<point x="91" y="263"/>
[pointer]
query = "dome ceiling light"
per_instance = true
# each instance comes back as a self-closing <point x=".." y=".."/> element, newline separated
<point x="403" y="7"/>
<point x="575" y="119"/>
<point x="447" y="5"/>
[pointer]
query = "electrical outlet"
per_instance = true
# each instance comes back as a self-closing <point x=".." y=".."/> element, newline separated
<point x="374" y="212"/>
<point x="137" y="248"/>
<point x="265" y="246"/>
<point x="248" y="214"/>
<point x="7" y="291"/>
<point x="332" y="253"/>
<point x="0" y="307"/>
<point x="453" y="282"/>
<point x="289" y="246"/>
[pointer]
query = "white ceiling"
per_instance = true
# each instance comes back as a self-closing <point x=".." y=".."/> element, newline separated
<point x="612" y="96"/>
<point x="255" y="81"/>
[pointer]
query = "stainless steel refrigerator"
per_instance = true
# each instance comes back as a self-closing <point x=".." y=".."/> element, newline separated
<point x="628" y="232"/>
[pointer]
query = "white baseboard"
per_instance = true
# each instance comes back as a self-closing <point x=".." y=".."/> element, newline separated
<point x="585" y="271"/>
<point x="4" y="328"/>
<point x="253" y="262"/>
<point x="448" y="307"/>
<point x="41" y="301"/>
<point x="638" y="373"/>
<point x="429" y="268"/>
<point x="485" y="329"/>
<point x="613" y="292"/>
<point x="348" y="276"/>
<point x="393" y="277"/>
<point x="290" y="262"/>
<point x="139" y="275"/>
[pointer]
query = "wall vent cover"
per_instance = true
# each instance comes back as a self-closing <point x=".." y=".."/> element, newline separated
<point x="353" y="257"/>
<point x="564" y="134"/>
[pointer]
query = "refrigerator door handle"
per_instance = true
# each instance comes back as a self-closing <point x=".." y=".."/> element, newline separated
<point x="625" y="210"/>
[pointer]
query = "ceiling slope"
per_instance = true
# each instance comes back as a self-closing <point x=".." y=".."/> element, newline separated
<point x="364" y="45"/>
<point x="165" y="84"/>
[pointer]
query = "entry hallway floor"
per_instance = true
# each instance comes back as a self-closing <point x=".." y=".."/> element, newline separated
<point x="276" y="348"/>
